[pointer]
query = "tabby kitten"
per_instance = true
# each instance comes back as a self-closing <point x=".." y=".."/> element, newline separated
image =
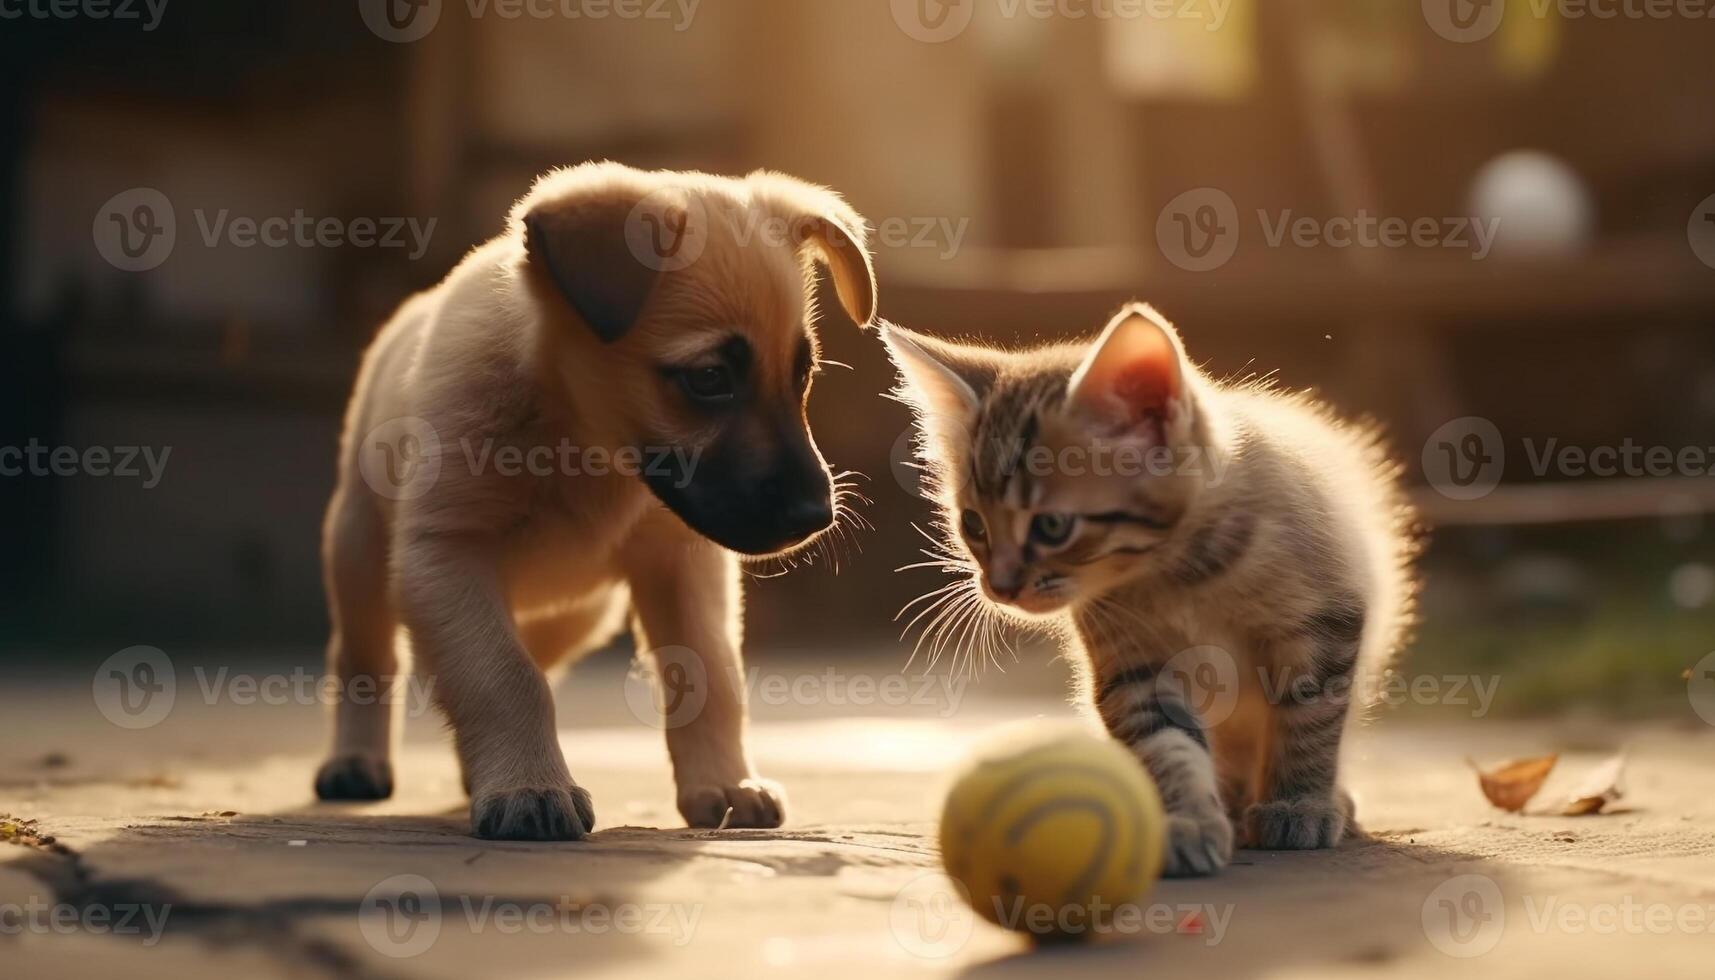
<point x="1231" y="560"/>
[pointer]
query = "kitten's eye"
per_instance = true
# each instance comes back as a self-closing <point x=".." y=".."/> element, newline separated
<point x="971" y="523"/>
<point x="1052" y="528"/>
<point x="708" y="384"/>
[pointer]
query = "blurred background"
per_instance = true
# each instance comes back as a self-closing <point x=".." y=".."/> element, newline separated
<point x="1492" y="234"/>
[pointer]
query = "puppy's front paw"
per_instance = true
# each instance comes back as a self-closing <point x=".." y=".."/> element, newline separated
<point x="754" y="803"/>
<point x="533" y="813"/>
<point x="1199" y="843"/>
<point x="355" y="777"/>
<point x="1299" y="824"/>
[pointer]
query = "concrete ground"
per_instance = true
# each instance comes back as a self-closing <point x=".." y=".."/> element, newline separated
<point x="194" y="846"/>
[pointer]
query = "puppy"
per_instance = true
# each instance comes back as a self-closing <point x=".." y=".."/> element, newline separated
<point x="659" y="324"/>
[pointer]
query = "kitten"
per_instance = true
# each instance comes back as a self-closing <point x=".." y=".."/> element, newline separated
<point x="1232" y="560"/>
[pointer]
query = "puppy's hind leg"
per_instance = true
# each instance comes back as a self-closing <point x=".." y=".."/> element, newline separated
<point x="361" y="654"/>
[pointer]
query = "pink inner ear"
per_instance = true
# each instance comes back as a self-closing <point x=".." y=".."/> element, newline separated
<point x="1134" y="376"/>
<point x="1144" y="388"/>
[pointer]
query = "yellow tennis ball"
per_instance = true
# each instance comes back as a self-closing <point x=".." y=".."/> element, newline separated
<point x="1051" y="828"/>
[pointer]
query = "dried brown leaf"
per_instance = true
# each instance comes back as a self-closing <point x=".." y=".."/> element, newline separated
<point x="1600" y="788"/>
<point x="1510" y="785"/>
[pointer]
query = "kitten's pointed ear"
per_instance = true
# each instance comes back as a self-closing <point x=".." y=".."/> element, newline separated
<point x="1134" y="373"/>
<point x="938" y="379"/>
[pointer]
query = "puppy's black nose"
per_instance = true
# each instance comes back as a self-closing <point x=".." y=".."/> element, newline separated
<point x="805" y="517"/>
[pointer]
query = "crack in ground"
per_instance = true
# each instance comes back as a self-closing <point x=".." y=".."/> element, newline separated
<point x="268" y="926"/>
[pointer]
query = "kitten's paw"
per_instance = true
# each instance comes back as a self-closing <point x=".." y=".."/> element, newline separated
<point x="1305" y="823"/>
<point x="355" y="777"/>
<point x="1198" y="844"/>
<point x="533" y="813"/>
<point x="754" y="803"/>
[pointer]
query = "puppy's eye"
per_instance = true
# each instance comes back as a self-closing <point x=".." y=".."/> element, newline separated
<point x="709" y="384"/>
<point x="1052" y="528"/>
<point x="971" y="523"/>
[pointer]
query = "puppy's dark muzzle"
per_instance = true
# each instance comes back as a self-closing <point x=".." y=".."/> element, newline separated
<point x="796" y="514"/>
<point x="756" y="515"/>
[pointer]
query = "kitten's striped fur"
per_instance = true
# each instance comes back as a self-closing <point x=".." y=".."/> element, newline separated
<point x="1232" y="594"/>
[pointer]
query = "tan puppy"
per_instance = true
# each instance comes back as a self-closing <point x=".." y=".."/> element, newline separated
<point x="659" y="324"/>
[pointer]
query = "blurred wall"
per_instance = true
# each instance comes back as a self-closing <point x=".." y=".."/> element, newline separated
<point x="1015" y="173"/>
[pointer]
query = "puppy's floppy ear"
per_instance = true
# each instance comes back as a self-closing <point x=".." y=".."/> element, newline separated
<point x="842" y="250"/>
<point x="580" y="241"/>
<point x="827" y="225"/>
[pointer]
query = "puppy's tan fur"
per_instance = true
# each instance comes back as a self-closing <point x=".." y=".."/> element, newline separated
<point x="496" y="578"/>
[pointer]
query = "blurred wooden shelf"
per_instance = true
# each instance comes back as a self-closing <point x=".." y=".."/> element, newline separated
<point x="1620" y="498"/>
<point x="1039" y="289"/>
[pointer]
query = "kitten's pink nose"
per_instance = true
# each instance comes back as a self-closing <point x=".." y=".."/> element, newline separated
<point x="1005" y="581"/>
